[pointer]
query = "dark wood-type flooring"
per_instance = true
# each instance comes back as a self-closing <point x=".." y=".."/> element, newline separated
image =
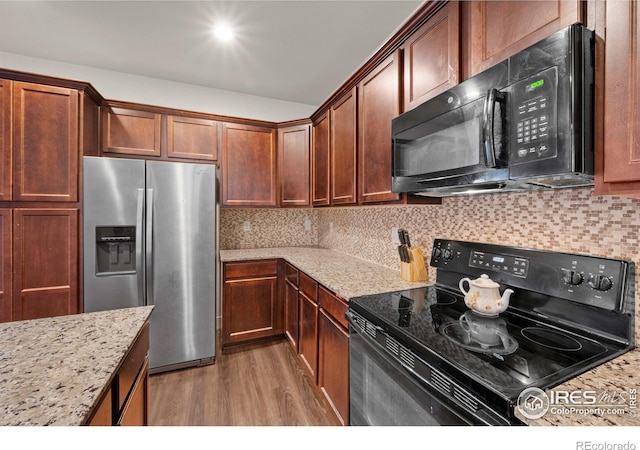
<point x="263" y="384"/>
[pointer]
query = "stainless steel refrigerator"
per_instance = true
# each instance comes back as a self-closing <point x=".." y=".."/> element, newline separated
<point x="150" y="238"/>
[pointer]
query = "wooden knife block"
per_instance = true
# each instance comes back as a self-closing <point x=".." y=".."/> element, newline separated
<point x="416" y="269"/>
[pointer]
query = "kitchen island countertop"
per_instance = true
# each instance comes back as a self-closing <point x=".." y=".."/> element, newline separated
<point x="351" y="277"/>
<point x="53" y="371"/>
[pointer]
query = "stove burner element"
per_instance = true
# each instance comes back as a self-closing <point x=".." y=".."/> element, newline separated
<point x="445" y="299"/>
<point x="551" y="339"/>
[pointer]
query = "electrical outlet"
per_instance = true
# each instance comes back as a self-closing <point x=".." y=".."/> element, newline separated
<point x="307" y="225"/>
<point x="246" y="226"/>
<point x="394" y="235"/>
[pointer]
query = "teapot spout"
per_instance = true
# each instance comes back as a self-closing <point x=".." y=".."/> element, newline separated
<point x="506" y="295"/>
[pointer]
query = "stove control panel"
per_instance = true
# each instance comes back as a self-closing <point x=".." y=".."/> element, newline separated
<point x="585" y="279"/>
<point x="513" y="265"/>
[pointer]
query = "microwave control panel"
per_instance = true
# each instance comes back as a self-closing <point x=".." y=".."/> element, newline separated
<point x="533" y="118"/>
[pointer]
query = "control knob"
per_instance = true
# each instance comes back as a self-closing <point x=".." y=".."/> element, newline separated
<point x="600" y="282"/>
<point x="572" y="277"/>
<point x="447" y="254"/>
<point x="437" y="252"/>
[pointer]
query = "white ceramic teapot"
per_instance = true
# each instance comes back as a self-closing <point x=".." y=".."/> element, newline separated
<point x="483" y="296"/>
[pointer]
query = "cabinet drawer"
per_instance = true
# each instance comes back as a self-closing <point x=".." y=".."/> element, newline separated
<point x="291" y="274"/>
<point x="250" y="269"/>
<point x="333" y="306"/>
<point x="309" y="287"/>
<point x="131" y="366"/>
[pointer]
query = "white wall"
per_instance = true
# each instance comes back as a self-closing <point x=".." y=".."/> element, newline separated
<point x="152" y="91"/>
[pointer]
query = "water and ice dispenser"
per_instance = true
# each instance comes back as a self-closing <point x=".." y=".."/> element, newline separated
<point x="115" y="250"/>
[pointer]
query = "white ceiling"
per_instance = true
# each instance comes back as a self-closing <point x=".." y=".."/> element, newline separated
<point x="298" y="51"/>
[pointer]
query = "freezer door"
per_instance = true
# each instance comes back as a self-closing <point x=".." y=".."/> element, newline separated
<point x="113" y="230"/>
<point x="181" y="265"/>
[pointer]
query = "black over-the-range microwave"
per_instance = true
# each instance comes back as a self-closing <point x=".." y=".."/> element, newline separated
<point x="525" y="123"/>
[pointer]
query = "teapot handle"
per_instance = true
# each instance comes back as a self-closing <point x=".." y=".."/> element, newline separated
<point x="460" y="284"/>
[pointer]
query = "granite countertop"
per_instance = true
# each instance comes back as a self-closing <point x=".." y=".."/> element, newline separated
<point x="53" y="371"/>
<point x="613" y="382"/>
<point x="345" y="275"/>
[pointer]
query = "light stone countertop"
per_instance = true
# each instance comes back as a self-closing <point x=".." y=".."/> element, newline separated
<point x="345" y="275"/>
<point x="351" y="277"/>
<point x="53" y="371"/>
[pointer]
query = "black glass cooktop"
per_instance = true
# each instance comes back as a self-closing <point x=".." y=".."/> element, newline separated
<point x="505" y="354"/>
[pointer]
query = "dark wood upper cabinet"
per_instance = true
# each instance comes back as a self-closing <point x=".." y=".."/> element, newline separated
<point x="192" y="138"/>
<point x="45" y="143"/>
<point x="432" y="57"/>
<point x="6" y="143"/>
<point x="320" y="161"/>
<point x="344" y="149"/>
<point x="501" y="29"/>
<point x="131" y="132"/>
<point x="45" y="263"/>
<point x="378" y="104"/>
<point x="248" y="165"/>
<point x="294" y="165"/>
<point x="617" y="102"/>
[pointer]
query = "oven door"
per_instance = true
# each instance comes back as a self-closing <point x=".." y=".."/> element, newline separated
<point x="383" y="391"/>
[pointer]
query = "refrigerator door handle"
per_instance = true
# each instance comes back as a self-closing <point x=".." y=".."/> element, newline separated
<point x="139" y="247"/>
<point x="149" y="247"/>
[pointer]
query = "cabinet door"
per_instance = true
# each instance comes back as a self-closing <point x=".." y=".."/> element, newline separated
<point x="432" y="57"/>
<point x="291" y="314"/>
<point x="378" y="104"/>
<point x="45" y="263"/>
<point x="6" y="303"/>
<point x="6" y="142"/>
<point x="45" y="143"/>
<point x="192" y="138"/>
<point x="293" y="164"/>
<point x="130" y="132"/>
<point x="320" y="162"/>
<point x="308" y="335"/>
<point x="333" y="366"/>
<point x="621" y="106"/>
<point x="249" y="309"/>
<point x="136" y="410"/>
<point x="248" y="165"/>
<point x="500" y="29"/>
<point x="103" y="416"/>
<point x="343" y="150"/>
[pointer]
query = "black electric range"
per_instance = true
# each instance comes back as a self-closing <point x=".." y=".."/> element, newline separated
<point x="568" y="314"/>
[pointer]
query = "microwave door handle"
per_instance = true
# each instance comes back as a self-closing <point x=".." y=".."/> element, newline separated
<point x="488" y="117"/>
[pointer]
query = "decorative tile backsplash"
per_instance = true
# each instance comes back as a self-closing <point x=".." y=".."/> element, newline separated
<point x="260" y="228"/>
<point x="572" y="220"/>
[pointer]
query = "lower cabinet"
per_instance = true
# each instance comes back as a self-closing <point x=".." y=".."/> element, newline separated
<point x="291" y="305"/>
<point x="126" y="402"/>
<point x="310" y="316"/>
<point x="251" y="305"/>
<point x="308" y="326"/>
<point x="333" y="355"/>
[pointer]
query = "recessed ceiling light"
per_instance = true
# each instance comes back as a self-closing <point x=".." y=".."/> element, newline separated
<point x="223" y="31"/>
